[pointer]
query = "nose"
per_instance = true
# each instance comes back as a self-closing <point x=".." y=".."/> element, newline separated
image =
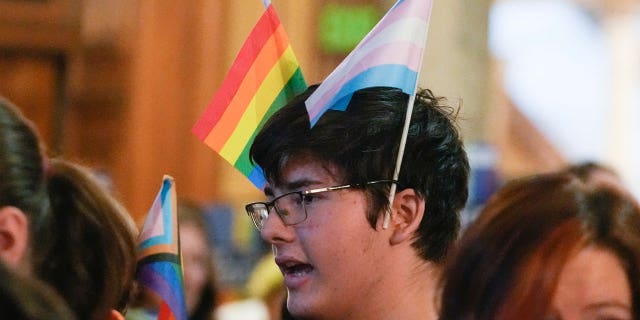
<point x="275" y="231"/>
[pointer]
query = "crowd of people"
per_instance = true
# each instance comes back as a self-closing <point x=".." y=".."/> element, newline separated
<point x="558" y="245"/>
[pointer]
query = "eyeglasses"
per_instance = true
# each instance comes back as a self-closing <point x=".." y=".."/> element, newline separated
<point x="293" y="207"/>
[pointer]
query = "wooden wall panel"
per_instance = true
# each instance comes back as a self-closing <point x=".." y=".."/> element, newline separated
<point x="37" y="44"/>
<point x="161" y="89"/>
<point x="29" y="81"/>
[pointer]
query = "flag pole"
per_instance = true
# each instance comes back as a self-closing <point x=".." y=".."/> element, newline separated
<point x="405" y="133"/>
<point x="403" y="143"/>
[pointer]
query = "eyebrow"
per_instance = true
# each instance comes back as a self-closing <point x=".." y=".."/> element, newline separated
<point x="292" y="186"/>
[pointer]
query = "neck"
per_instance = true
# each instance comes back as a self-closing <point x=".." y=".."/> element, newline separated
<point x="408" y="291"/>
<point x="417" y="297"/>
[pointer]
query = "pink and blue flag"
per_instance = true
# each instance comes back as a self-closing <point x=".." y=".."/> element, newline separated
<point x="390" y="55"/>
<point x="159" y="260"/>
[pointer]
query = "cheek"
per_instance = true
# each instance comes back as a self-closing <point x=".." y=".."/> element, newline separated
<point x="343" y="232"/>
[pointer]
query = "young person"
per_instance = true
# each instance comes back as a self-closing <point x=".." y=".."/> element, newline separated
<point x="561" y="245"/>
<point x="59" y="224"/>
<point x="328" y="189"/>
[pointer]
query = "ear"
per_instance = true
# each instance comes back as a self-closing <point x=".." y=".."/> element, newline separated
<point x="408" y="211"/>
<point x="14" y="235"/>
<point x="115" y="315"/>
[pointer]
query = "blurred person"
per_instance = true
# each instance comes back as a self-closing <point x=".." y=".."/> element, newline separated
<point x="59" y="224"/>
<point x="264" y="294"/>
<point x="328" y="189"/>
<point x="200" y="282"/>
<point x="563" y="245"/>
<point x="266" y="283"/>
<point x="23" y="297"/>
<point x="262" y="297"/>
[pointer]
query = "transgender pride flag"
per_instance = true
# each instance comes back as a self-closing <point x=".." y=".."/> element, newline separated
<point x="159" y="260"/>
<point x="389" y="56"/>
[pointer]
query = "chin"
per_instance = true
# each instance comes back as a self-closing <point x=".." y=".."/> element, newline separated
<point x="305" y="309"/>
<point x="299" y="308"/>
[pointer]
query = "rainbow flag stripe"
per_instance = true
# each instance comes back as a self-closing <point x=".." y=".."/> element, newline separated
<point x="159" y="260"/>
<point x="390" y="56"/>
<point x="262" y="79"/>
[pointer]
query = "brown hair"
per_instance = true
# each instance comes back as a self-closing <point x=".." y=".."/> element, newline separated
<point x="92" y="260"/>
<point x="507" y="264"/>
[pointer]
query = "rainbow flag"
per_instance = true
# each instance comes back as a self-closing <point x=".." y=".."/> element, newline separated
<point x="262" y="79"/>
<point x="390" y="55"/>
<point x="159" y="260"/>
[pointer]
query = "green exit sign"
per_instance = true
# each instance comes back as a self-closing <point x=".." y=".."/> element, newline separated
<point x="341" y="27"/>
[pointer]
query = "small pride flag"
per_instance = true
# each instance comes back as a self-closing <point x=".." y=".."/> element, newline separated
<point x="262" y="79"/>
<point x="390" y="56"/>
<point x="159" y="260"/>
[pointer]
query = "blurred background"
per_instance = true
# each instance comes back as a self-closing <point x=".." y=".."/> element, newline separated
<point x="118" y="84"/>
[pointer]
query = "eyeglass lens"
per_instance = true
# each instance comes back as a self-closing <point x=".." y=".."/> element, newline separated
<point x="289" y="207"/>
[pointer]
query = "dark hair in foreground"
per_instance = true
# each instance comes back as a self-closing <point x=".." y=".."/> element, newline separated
<point x="81" y="240"/>
<point x="508" y="263"/>
<point x="362" y="142"/>
<point x="28" y="299"/>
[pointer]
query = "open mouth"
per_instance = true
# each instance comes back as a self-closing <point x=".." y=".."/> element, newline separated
<point x="295" y="269"/>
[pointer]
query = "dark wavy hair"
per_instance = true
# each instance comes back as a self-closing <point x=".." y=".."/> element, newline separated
<point x="362" y="143"/>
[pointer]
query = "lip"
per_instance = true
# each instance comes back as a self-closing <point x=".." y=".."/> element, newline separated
<point x="296" y="272"/>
